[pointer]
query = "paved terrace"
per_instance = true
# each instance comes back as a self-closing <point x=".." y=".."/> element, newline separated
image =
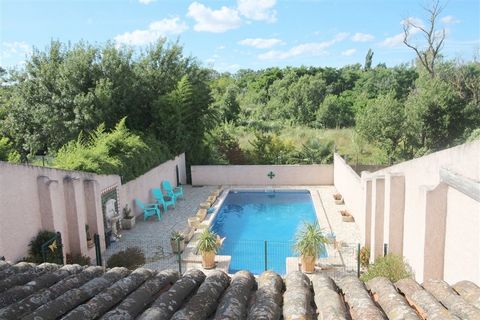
<point x="153" y="236"/>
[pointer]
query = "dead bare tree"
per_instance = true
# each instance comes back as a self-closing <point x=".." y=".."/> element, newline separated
<point x="429" y="53"/>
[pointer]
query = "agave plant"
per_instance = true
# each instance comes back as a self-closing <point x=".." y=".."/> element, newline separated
<point x="309" y="240"/>
<point x="207" y="241"/>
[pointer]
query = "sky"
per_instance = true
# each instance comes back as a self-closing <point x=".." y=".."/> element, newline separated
<point x="242" y="34"/>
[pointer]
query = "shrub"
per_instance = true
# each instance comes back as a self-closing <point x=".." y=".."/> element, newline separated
<point x="35" y="249"/>
<point x="391" y="266"/>
<point x="7" y="152"/>
<point x="475" y="135"/>
<point x="224" y="146"/>
<point x="271" y="149"/>
<point x="127" y="212"/>
<point x="77" y="259"/>
<point x="116" y="152"/>
<point x="176" y="236"/>
<point x="314" y="151"/>
<point x="364" y="257"/>
<point x="130" y="258"/>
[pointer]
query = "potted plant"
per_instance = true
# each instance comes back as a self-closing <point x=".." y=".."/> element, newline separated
<point x="346" y="216"/>
<point x="208" y="245"/>
<point x="177" y="241"/>
<point x="309" y="243"/>
<point x="90" y="242"/>
<point x="128" y="221"/>
<point x="338" y="198"/>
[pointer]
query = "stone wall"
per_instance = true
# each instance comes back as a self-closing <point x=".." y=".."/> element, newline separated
<point x="140" y="187"/>
<point x="34" y="198"/>
<point x="433" y="222"/>
<point x="258" y="175"/>
<point x="349" y="184"/>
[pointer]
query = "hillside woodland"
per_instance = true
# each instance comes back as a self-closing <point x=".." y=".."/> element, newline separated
<point x="109" y="109"/>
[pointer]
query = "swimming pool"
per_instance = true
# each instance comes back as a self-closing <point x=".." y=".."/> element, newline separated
<point x="255" y="222"/>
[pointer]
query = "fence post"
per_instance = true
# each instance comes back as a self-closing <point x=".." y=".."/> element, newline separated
<point x="179" y="256"/>
<point x="385" y="249"/>
<point x="60" y="245"/>
<point x="358" y="260"/>
<point x="98" y="249"/>
<point x="265" y="254"/>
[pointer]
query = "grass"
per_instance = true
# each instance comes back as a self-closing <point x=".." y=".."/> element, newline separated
<point x="346" y="142"/>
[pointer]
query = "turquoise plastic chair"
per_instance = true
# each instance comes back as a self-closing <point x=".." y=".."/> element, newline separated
<point x="175" y="193"/>
<point x="160" y="198"/>
<point x="149" y="209"/>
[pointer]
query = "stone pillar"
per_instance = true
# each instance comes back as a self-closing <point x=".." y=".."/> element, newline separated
<point x="435" y="230"/>
<point x="45" y="202"/>
<point x="368" y="214"/>
<point x="396" y="212"/>
<point x="93" y="206"/>
<point x="75" y="218"/>
<point x="378" y="216"/>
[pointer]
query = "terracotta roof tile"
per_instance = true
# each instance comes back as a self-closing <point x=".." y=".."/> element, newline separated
<point x="450" y="299"/>
<point x="393" y="303"/>
<point x="234" y="303"/>
<point x="423" y="301"/>
<point x="74" y="292"/>
<point x="469" y="291"/>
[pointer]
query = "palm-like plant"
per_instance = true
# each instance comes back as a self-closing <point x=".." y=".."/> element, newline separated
<point x="207" y="242"/>
<point x="309" y="240"/>
<point x="208" y="246"/>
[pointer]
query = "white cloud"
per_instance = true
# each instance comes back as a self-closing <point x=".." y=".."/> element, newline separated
<point x="210" y="20"/>
<point x="261" y="43"/>
<point x="258" y="10"/>
<point x="449" y="20"/>
<point x="397" y="39"/>
<point x="349" y="52"/>
<point x="393" y="41"/>
<point x="155" y="30"/>
<point x="362" y="37"/>
<point x="146" y="1"/>
<point x="15" y="49"/>
<point x="416" y="21"/>
<point x="310" y="48"/>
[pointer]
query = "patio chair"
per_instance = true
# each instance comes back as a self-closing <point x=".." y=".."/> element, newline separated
<point x="162" y="200"/>
<point x="149" y="209"/>
<point x="175" y="193"/>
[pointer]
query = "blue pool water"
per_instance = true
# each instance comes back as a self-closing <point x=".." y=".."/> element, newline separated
<point x="255" y="222"/>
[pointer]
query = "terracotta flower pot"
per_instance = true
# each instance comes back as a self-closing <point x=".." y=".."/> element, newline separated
<point x="308" y="264"/>
<point x="128" y="223"/>
<point x="338" y="198"/>
<point x="177" y="247"/>
<point x="208" y="260"/>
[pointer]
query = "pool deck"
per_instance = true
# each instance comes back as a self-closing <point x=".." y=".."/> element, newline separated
<point x="153" y="236"/>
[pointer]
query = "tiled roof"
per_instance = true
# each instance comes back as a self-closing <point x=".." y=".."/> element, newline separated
<point x="50" y="291"/>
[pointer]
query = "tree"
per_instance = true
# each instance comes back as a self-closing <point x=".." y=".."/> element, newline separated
<point x="383" y="123"/>
<point x="224" y="146"/>
<point x="368" y="60"/>
<point x="435" y="115"/>
<point x="334" y="112"/>
<point x="271" y="149"/>
<point x="434" y="38"/>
